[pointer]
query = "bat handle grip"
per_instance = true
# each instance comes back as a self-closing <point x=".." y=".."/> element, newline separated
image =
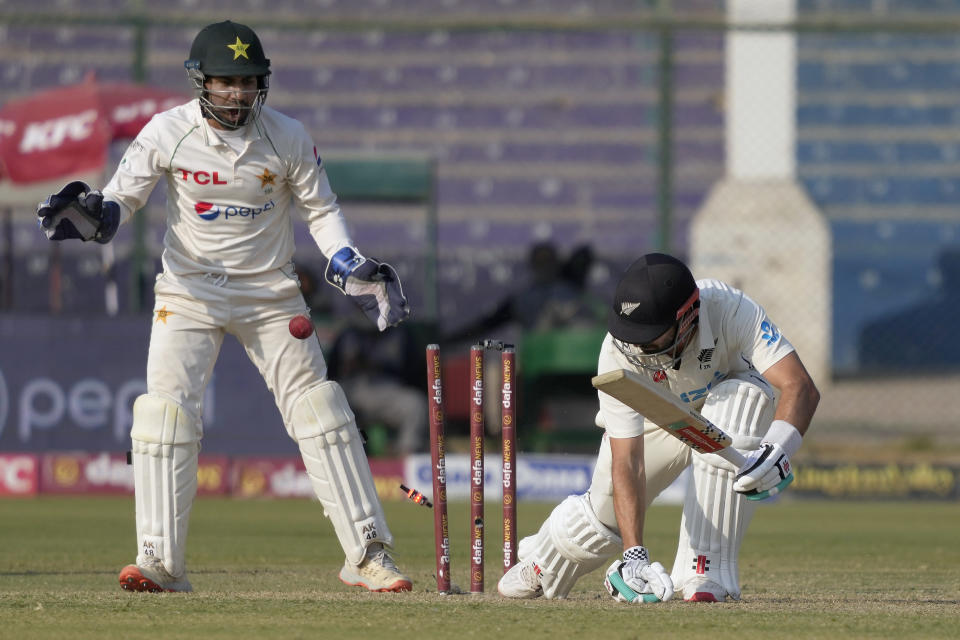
<point x="732" y="456"/>
<point x="737" y="459"/>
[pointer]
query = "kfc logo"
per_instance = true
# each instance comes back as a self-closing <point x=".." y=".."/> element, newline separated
<point x="50" y="134"/>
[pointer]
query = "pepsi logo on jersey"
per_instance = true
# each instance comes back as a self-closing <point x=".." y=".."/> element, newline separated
<point x="211" y="211"/>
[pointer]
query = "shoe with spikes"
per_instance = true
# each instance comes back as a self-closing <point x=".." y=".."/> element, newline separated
<point x="152" y="578"/>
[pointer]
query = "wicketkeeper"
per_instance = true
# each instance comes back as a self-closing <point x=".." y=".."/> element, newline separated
<point x="235" y="171"/>
<point x="716" y="349"/>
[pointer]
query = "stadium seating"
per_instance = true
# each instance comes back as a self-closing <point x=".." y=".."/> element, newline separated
<point x="873" y="152"/>
<point x="553" y="134"/>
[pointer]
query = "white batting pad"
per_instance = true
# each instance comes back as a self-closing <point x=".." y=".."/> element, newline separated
<point x="165" y="445"/>
<point x="715" y="517"/>
<point x="324" y="427"/>
<point x="571" y="543"/>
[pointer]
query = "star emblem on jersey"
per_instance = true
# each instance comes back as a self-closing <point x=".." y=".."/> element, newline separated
<point x="163" y="314"/>
<point x="266" y="178"/>
<point x="239" y="49"/>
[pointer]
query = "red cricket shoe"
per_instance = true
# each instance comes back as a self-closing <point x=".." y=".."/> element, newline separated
<point x="154" y="579"/>
<point x="702" y="596"/>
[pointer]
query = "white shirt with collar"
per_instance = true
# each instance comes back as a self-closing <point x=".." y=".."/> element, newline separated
<point x="734" y="335"/>
<point x="228" y="212"/>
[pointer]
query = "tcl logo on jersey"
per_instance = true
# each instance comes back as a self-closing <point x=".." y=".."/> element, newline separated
<point x="210" y="211"/>
<point x="201" y="177"/>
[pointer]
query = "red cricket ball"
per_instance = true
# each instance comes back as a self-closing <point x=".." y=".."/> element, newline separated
<point x="301" y="327"/>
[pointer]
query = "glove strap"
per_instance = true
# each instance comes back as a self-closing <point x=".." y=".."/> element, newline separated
<point x="636" y="553"/>
<point x="786" y="435"/>
<point x="341" y="265"/>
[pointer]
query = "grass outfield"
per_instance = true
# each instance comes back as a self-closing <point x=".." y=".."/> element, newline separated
<point x="267" y="569"/>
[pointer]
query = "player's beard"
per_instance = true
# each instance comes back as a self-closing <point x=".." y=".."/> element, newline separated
<point x="668" y="358"/>
<point x="233" y="114"/>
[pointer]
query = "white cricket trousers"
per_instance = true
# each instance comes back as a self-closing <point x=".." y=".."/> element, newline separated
<point x="665" y="458"/>
<point x="191" y="316"/>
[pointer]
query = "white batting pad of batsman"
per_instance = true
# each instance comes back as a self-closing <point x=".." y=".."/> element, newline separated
<point x="715" y="517"/>
<point x="571" y="543"/>
<point x="325" y="429"/>
<point x="165" y="445"/>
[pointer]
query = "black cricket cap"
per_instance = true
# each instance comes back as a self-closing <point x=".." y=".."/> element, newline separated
<point x="650" y="293"/>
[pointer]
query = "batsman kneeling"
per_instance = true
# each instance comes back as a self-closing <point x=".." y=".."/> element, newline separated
<point x="676" y="346"/>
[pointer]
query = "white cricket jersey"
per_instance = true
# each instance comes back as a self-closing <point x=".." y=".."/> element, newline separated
<point x="734" y="335"/>
<point x="229" y="212"/>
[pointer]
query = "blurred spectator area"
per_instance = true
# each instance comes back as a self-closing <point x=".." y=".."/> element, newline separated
<point x="549" y="134"/>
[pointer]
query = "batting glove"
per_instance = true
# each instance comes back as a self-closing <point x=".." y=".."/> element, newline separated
<point x="635" y="579"/>
<point x="767" y="470"/>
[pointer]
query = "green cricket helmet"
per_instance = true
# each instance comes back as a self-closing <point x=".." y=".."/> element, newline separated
<point x="228" y="49"/>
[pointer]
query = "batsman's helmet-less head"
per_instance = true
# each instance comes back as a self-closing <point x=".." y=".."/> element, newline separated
<point x="228" y="49"/>
<point x="655" y="294"/>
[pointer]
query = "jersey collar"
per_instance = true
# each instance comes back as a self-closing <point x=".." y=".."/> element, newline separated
<point x="704" y="331"/>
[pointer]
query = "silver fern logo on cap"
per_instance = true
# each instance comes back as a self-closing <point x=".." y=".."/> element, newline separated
<point x="626" y="308"/>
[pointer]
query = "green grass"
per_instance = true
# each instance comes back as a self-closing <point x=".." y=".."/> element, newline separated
<point x="267" y="569"/>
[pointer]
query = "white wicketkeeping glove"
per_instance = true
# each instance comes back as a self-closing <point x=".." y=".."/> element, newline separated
<point x="767" y="470"/>
<point x="635" y="579"/>
<point x="373" y="286"/>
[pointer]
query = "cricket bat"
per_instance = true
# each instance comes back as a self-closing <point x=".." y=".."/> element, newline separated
<point x="671" y="414"/>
